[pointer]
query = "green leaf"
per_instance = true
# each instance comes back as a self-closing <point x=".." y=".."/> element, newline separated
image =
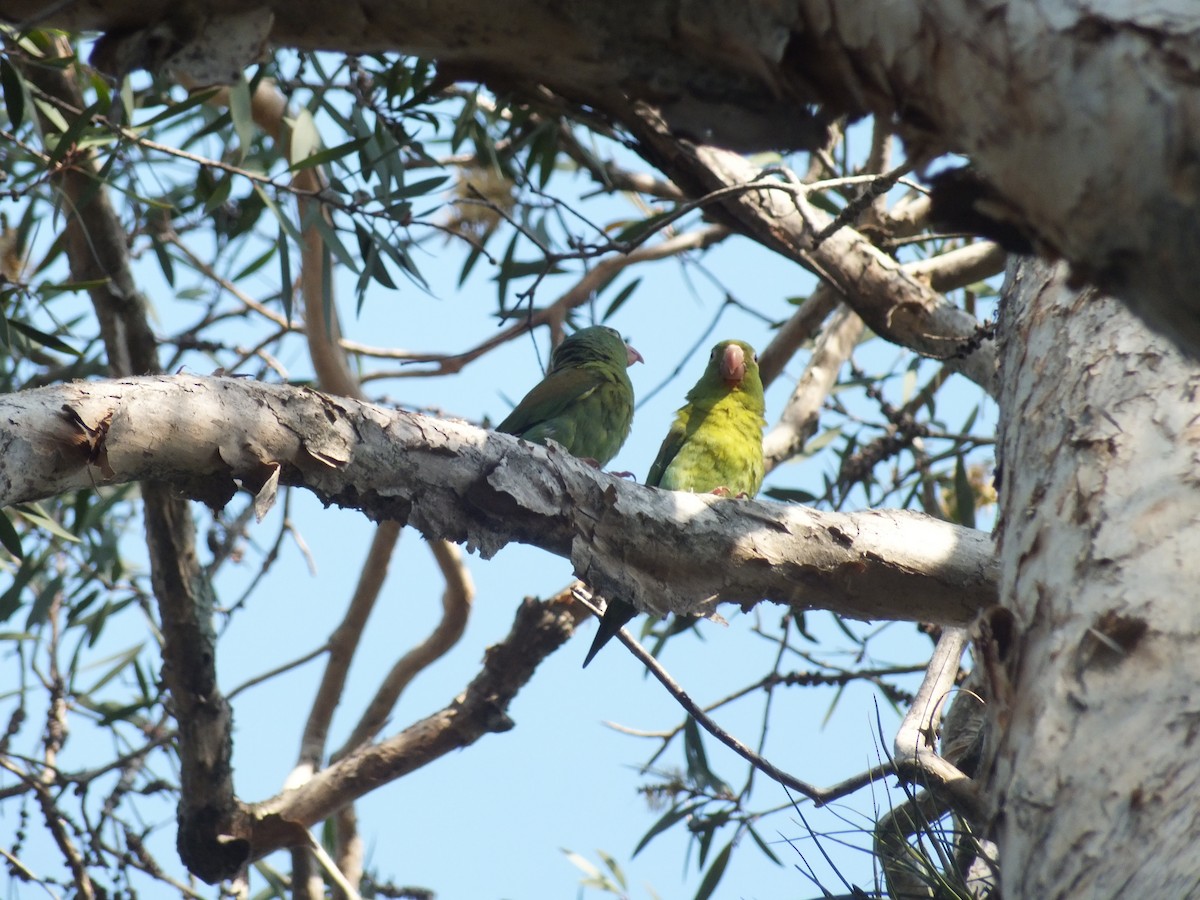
<point x="14" y="93"/>
<point x="255" y="264"/>
<point x="321" y="157"/>
<point x="305" y="140"/>
<point x="9" y="537"/>
<point x="194" y="99"/>
<point x="330" y="237"/>
<point x="120" y="661"/>
<point x="640" y="231"/>
<point x="164" y="259"/>
<point x="713" y="876"/>
<point x="38" y="517"/>
<point x="472" y="258"/>
<point x="285" y="221"/>
<point x="286" y="292"/>
<point x="763" y="846"/>
<point x="51" y="114"/>
<point x="697" y="759"/>
<point x="400" y="257"/>
<point x="790" y="495"/>
<point x="243" y="117"/>
<point x="611" y="863"/>
<point x="821" y="441"/>
<point x="837" y="696"/>
<point x="127" y="99"/>
<point x="11" y="599"/>
<point x="219" y="194"/>
<point x="376" y="269"/>
<point x="964" y="494"/>
<point x="514" y="269"/>
<point x="619" y="300"/>
<point x="502" y="276"/>
<point x="672" y="816"/>
<point x="422" y="187"/>
<point x="40" y="609"/>
<point x="583" y="864"/>
<point x="70" y="136"/>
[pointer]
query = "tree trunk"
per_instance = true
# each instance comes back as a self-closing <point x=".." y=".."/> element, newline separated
<point x="1095" y="775"/>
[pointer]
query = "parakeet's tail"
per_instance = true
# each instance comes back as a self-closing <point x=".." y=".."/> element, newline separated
<point x="616" y="616"/>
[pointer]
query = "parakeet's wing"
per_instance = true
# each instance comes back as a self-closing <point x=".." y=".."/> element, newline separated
<point x="549" y="398"/>
<point x="670" y="447"/>
<point x="588" y="410"/>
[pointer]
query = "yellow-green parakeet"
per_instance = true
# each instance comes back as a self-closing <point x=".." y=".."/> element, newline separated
<point x="585" y="402"/>
<point x="715" y="444"/>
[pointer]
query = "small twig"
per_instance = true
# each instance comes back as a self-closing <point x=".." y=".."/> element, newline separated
<point x="55" y="825"/>
<point x="278" y="670"/>
<point x="916" y="757"/>
<point x="820" y="796"/>
<point x="331" y="869"/>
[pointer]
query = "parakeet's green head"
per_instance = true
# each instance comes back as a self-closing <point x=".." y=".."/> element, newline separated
<point x="597" y="344"/>
<point x="732" y="368"/>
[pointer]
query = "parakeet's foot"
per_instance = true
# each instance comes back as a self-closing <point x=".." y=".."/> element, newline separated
<point x="623" y="474"/>
<point x="723" y="491"/>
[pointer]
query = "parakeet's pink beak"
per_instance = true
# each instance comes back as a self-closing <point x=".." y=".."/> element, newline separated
<point x="632" y="355"/>
<point x="733" y="365"/>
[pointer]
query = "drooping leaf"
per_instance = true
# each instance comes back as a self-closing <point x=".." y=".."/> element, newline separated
<point x="713" y="876"/>
<point x="9" y="537"/>
<point x="14" y="93"/>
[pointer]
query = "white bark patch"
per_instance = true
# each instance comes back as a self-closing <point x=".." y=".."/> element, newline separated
<point x="1095" y="766"/>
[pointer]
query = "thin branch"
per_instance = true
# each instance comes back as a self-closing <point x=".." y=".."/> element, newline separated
<point x="277" y="671"/>
<point x="343" y="644"/>
<point x="916" y="756"/>
<point x="797" y="330"/>
<point x="456" y="606"/>
<point x="55" y="825"/>
<point x="798" y="421"/>
<point x="540" y="628"/>
<point x="331" y="869"/>
<point x="820" y="796"/>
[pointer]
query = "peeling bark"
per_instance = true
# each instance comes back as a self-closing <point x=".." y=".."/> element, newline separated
<point x="1094" y="773"/>
<point x="661" y="550"/>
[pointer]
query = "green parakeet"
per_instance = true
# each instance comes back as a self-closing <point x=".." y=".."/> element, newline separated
<point x="715" y="444"/>
<point x="585" y="402"/>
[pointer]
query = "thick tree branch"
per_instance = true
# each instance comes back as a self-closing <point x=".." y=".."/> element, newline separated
<point x="540" y="628"/>
<point x="1048" y="99"/>
<point x="798" y="421"/>
<point x="661" y="550"/>
<point x="904" y="309"/>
